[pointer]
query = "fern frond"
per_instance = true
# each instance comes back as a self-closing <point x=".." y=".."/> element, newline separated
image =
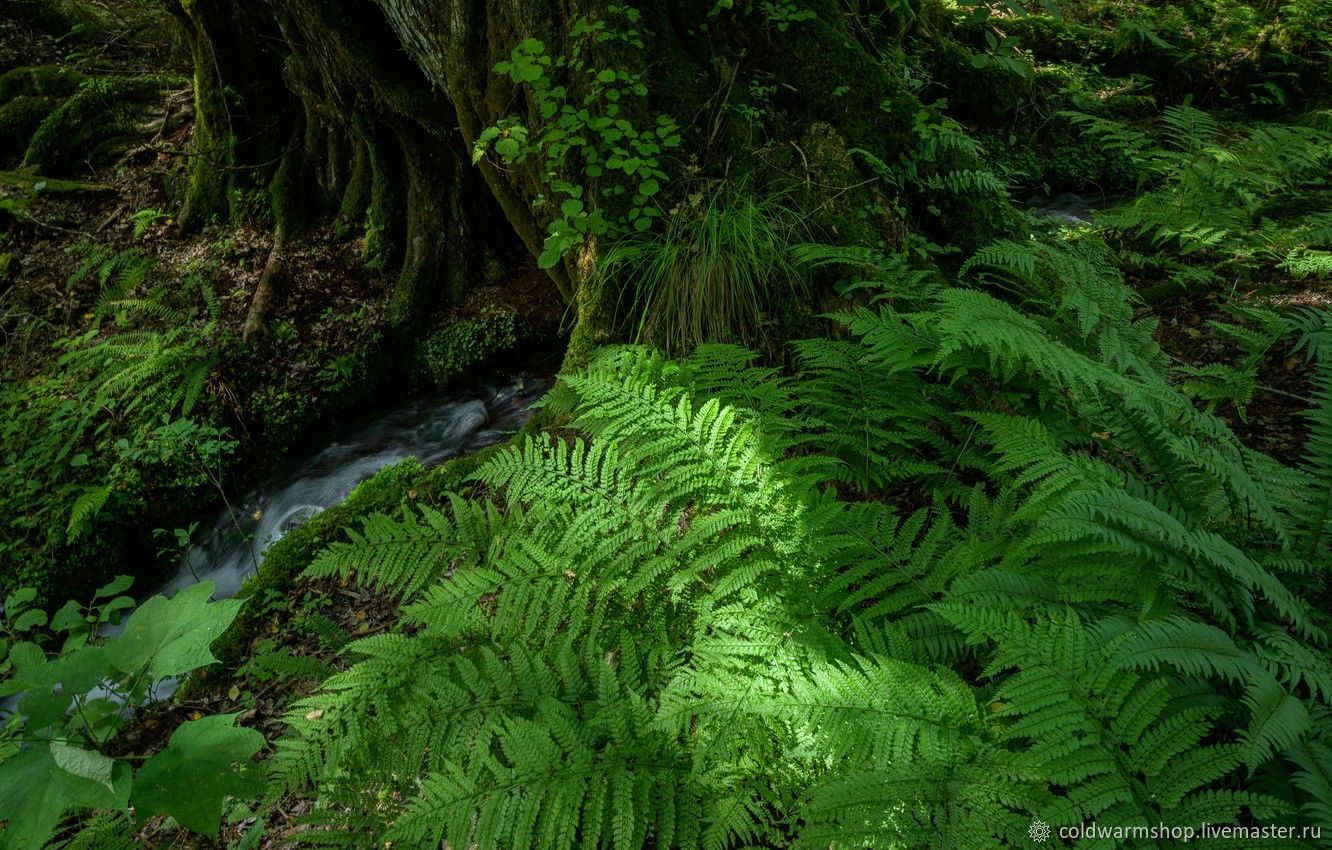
<point x="397" y="556"/>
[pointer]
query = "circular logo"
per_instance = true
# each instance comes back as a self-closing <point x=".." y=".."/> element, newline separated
<point x="1039" y="832"/>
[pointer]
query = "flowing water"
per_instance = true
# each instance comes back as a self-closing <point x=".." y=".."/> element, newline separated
<point x="432" y="431"/>
<point x="1071" y="209"/>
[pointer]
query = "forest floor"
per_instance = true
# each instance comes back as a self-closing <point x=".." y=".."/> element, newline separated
<point x="65" y="236"/>
<point x="52" y="255"/>
<point x="1273" y="422"/>
<point x="327" y="276"/>
<point x="48" y="246"/>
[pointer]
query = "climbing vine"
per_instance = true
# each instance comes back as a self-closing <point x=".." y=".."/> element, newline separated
<point x="586" y="126"/>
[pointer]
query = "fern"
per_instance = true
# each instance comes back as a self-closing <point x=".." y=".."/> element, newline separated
<point x="692" y="616"/>
<point x="1316" y="511"/>
<point x="1218" y="195"/>
<point x="282" y="665"/>
<point x="401" y="556"/>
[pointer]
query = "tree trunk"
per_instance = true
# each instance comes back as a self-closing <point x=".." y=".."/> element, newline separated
<point x="391" y="96"/>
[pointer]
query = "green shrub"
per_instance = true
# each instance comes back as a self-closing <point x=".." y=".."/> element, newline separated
<point x="451" y="351"/>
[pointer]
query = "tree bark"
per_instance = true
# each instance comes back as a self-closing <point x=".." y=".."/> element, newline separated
<point x="392" y="95"/>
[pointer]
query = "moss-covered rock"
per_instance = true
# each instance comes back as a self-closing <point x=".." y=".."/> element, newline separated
<point x="97" y="112"/>
<point x="855" y="217"/>
<point x="393" y="490"/>
<point x="19" y="119"/>
<point x="40" y="81"/>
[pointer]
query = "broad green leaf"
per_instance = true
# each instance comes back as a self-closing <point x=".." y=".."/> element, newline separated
<point x="69" y="617"/>
<point x="205" y="762"/>
<point x="36" y="792"/>
<point x="550" y="256"/>
<point x="27" y="657"/>
<point x="17" y="600"/>
<point x="171" y="636"/>
<point x="110" y="612"/>
<point x="30" y="619"/>
<point x="85" y="764"/>
<point x="119" y="584"/>
<point x="50" y="687"/>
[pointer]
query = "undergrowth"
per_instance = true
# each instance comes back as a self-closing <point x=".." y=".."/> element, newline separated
<point x="702" y="614"/>
<point x="115" y="415"/>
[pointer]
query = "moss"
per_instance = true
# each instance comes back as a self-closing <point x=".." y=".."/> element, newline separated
<point x="449" y="352"/>
<point x="25" y="185"/>
<point x="391" y="490"/>
<point x="63" y="18"/>
<point x="107" y="136"/>
<point x="282" y="199"/>
<point x="33" y="184"/>
<point x="90" y="115"/>
<point x="433" y="270"/>
<point x="831" y="171"/>
<point x="40" y="81"/>
<point x="110" y="149"/>
<point x="208" y="176"/>
<point x="356" y="197"/>
<point x="595" y="312"/>
<point x="385" y="213"/>
<point x="817" y="58"/>
<point x="19" y="118"/>
<point x="287" y="558"/>
<point x="13" y="208"/>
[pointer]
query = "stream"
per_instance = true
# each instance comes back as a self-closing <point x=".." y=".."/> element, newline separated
<point x="232" y="544"/>
<point x="1070" y="209"/>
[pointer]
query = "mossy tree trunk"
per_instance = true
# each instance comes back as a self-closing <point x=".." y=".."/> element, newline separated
<point x="388" y="98"/>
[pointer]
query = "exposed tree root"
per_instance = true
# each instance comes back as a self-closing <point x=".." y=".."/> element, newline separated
<point x="261" y="304"/>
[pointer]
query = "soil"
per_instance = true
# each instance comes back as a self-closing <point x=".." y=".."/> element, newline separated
<point x="1273" y="422"/>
